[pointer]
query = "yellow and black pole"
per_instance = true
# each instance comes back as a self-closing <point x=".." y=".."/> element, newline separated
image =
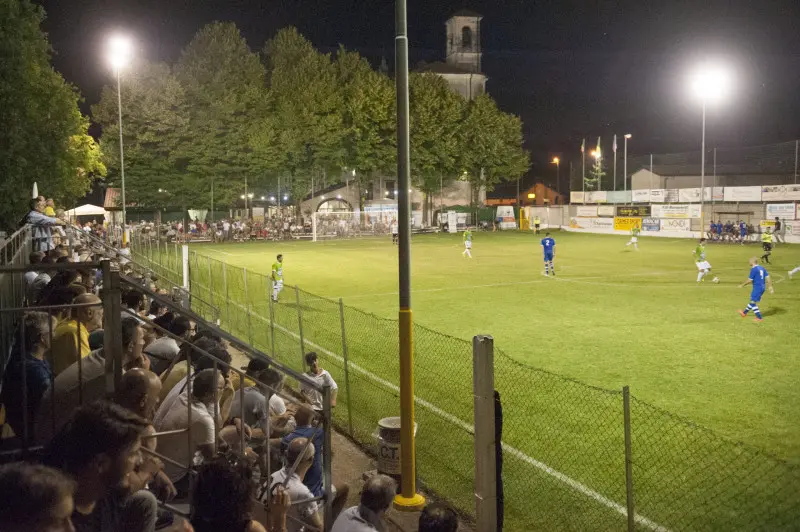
<point x="408" y="499"/>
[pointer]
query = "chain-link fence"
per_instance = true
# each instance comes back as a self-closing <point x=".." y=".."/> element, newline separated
<point x="564" y="441"/>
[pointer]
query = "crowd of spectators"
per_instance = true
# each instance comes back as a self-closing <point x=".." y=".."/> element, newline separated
<point x="108" y="461"/>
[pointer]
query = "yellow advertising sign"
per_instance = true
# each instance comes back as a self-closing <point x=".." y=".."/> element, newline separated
<point x="626" y="224"/>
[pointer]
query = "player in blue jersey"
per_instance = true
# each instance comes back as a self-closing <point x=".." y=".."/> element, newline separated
<point x="742" y="231"/>
<point x="549" y="248"/>
<point x="761" y="280"/>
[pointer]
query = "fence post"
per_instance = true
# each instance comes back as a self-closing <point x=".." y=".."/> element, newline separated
<point x="346" y="370"/>
<point x="112" y="326"/>
<point x="210" y="291"/>
<point x="485" y="458"/>
<point x="271" y="318"/>
<point x="626" y="410"/>
<point x="326" y="457"/>
<point x="300" y="330"/>
<point x="247" y="307"/>
<point x="227" y="298"/>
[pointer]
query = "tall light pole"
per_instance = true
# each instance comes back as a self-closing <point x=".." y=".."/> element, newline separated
<point x="625" y="162"/>
<point x="710" y="83"/>
<point x="120" y="50"/>
<point x="408" y="499"/>
<point x="556" y="161"/>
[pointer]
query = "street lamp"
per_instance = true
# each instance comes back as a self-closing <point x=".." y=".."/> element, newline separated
<point x="120" y="50"/>
<point x="625" y="162"/>
<point x="556" y="161"/>
<point x="710" y="83"/>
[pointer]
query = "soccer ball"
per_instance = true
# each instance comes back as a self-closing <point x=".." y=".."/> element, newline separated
<point x="715" y="280"/>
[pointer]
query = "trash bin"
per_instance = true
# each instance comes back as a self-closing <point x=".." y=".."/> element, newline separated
<point x="388" y="438"/>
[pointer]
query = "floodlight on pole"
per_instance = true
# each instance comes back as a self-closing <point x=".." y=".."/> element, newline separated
<point x="120" y="51"/>
<point x="556" y="161"/>
<point x="711" y="83"/>
<point x="626" y="136"/>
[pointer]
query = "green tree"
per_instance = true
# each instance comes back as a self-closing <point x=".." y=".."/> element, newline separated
<point x="491" y="145"/>
<point x="155" y="119"/>
<point x="43" y="137"/>
<point x="436" y="113"/>
<point x="306" y="111"/>
<point x="223" y="82"/>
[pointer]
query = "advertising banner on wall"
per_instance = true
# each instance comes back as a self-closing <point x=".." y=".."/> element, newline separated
<point x="651" y="224"/>
<point x="689" y="195"/>
<point x="576" y="197"/>
<point x="676" y="224"/>
<point x="742" y="194"/>
<point x="640" y="196"/>
<point x="618" y="196"/>
<point x="602" y="223"/>
<point x="714" y="194"/>
<point x="767" y="224"/>
<point x="605" y="210"/>
<point x="658" y="195"/>
<point x="633" y="210"/>
<point x="784" y="211"/>
<point x="626" y="224"/>
<point x="596" y="196"/>
<point x="780" y="193"/>
<point x="672" y="195"/>
<point x="676" y="211"/>
<point x="586" y="211"/>
<point x="506" y="216"/>
<point x="793" y="228"/>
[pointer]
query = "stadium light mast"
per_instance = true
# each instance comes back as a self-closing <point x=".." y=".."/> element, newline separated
<point x="710" y="83"/>
<point x="408" y="499"/>
<point x="120" y="50"/>
<point x="556" y="161"/>
<point x="625" y="162"/>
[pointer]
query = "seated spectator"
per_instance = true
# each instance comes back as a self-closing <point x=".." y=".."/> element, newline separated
<point x="35" y="498"/>
<point x="300" y="513"/>
<point x="38" y="375"/>
<point x="438" y="517"/>
<point x="71" y="337"/>
<point x="322" y="378"/>
<point x="256" y="405"/>
<point x="376" y="498"/>
<point x="40" y="281"/>
<point x="156" y="310"/>
<point x="138" y="392"/>
<point x="177" y="447"/>
<point x="282" y="420"/>
<point x="64" y="295"/>
<point x="99" y="448"/>
<point x="34" y="258"/>
<point x="132" y="303"/>
<point x="223" y="497"/>
<point x="85" y="381"/>
<point x="177" y="370"/>
<point x="313" y="478"/>
<point x="165" y="348"/>
<point x="60" y="279"/>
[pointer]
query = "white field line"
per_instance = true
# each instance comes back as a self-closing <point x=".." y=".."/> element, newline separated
<point x="572" y="483"/>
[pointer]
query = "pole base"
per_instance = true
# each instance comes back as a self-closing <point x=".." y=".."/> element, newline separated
<point x="414" y="504"/>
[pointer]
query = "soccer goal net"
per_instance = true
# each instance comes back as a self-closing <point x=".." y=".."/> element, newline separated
<point x="352" y="224"/>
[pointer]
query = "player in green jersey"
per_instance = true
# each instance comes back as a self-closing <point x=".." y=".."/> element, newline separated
<point x="467" y="243"/>
<point x="277" y="277"/>
<point x="703" y="266"/>
<point x="634" y="238"/>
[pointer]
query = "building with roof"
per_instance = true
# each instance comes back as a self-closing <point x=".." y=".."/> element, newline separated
<point x="462" y="66"/>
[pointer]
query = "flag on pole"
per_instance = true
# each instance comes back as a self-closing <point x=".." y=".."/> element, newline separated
<point x="615" y="143"/>
<point x="583" y="145"/>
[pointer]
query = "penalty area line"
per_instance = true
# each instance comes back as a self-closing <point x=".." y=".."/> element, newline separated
<point x="569" y="481"/>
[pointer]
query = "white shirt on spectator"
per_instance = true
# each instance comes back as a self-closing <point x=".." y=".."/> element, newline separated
<point x="314" y="396"/>
<point x="277" y="405"/>
<point x="357" y="519"/>
<point x="29" y="277"/>
<point x="176" y="446"/>
<point x="297" y="492"/>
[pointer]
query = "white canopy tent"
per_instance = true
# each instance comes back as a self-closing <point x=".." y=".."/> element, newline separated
<point x="86" y="210"/>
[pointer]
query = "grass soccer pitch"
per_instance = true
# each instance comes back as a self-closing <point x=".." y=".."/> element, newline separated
<point x="612" y="316"/>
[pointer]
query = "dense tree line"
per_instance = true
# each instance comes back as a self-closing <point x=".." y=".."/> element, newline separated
<point x="224" y="113"/>
<point x="43" y="137"/>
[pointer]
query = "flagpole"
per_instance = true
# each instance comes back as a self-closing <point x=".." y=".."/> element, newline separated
<point x="615" y="162"/>
<point x="583" y="167"/>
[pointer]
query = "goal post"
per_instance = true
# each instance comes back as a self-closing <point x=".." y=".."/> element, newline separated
<point x="335" y="225"/>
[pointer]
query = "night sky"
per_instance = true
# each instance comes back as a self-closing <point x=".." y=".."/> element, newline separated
<point x="569" y="68"/>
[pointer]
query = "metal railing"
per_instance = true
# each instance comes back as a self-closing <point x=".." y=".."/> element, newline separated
<point x="31" y="433"/>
